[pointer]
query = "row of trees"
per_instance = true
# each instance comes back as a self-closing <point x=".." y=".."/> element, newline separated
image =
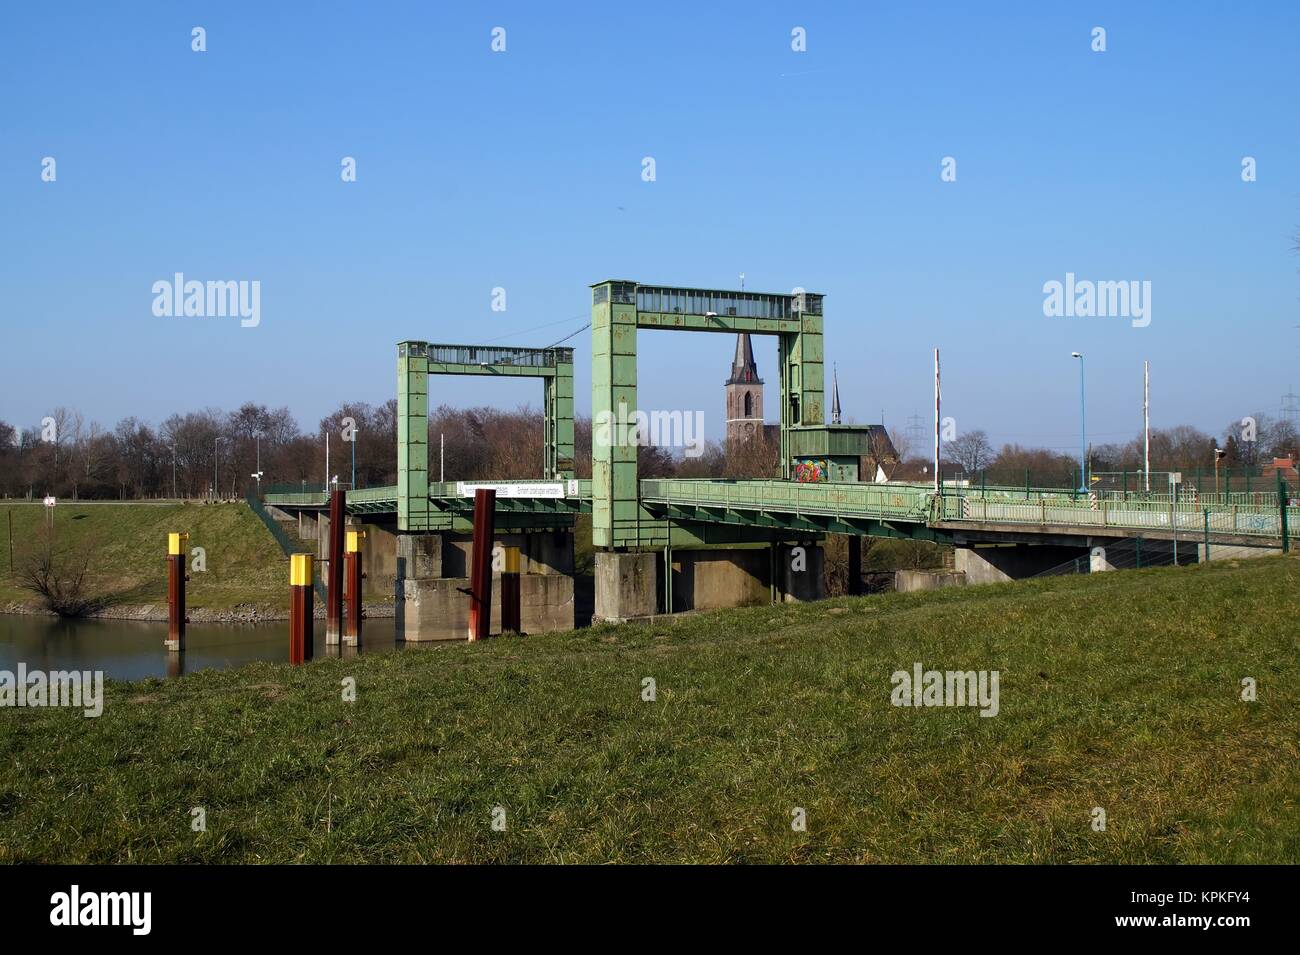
<point x="1183" y="447"/>
<point x="217" y="453"/>
<point x="198" y="454"/>
<point x="202" y="453"/>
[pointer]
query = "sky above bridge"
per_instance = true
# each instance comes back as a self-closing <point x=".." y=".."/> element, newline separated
<point x="931" y="168"/>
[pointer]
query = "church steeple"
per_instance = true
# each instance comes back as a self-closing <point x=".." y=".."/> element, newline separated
<point x="743" y="369"/>
<point x="744" y="393"/>
<point x="835" y="395"/>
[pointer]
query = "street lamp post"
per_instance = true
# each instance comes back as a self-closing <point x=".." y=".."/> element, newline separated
<point x="257" y="475"/>
<point x="215" y="490"/>
<point x="1083" y="430"/>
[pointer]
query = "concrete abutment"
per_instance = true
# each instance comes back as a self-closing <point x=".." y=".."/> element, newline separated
<point x="630" y="585"/>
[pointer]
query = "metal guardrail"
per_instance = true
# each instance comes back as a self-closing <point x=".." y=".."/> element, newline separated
<point x="1255" y="514"/>
<point x="287" y="545"/>
<point x="893" y="501"/>
<point x="1258" y="520"/>
<point x="371" y="499"/>
<point x="1186" y="496"/>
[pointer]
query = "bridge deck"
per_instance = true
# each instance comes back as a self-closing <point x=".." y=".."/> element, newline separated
<point x="865" y="508"/>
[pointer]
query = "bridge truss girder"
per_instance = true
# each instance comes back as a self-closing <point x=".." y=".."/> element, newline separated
<point x="619" y="309"/>
<point x="416" y="361"/>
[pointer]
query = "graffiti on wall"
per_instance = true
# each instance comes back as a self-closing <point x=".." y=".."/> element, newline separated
<point x="812" y="470"/>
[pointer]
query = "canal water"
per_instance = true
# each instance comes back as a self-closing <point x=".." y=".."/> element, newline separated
<point x="133" y="650"/>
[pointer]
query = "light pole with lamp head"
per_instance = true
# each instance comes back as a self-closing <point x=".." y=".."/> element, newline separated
<point x="215" y="489"/>
<point x="1083" y="430"/>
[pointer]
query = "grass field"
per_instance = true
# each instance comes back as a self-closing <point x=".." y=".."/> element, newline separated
<point x="1119" y="691"/>
<point x="244" y="563"/>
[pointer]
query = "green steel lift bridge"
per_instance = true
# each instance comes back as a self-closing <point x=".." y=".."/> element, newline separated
<point x="629" y="513"/>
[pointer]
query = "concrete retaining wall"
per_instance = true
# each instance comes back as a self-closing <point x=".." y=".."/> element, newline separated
<point x="906" y="581"/>
<point x="437" y="608"/>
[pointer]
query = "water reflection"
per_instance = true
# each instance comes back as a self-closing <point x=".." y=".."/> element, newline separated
<point x="132" y="650"/>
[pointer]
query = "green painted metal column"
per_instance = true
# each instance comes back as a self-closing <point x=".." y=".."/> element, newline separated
<point x="803" y="375"/>
<point x="613" y="409"/>
<point x="812" y="370"/>
<point x="412" y="437"/>
<point x="565" y="468"/>
<point x="558" y="404"/>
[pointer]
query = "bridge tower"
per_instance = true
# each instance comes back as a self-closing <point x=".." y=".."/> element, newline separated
<point x="619" y="309"/>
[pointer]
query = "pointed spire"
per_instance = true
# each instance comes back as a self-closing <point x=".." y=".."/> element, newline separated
<point x="835" y="395"/>
<point x="743" y="369"/>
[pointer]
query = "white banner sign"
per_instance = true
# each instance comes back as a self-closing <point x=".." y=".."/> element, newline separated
<point x="50" y="502"/>
<point x="514" y="488"/>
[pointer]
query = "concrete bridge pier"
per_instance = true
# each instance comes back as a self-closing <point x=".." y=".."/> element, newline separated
<point x="630" y="585"/>
<point x="998" y="564"/>
<point x="432" y="584"/>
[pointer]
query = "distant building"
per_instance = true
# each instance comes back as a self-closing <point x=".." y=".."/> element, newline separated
<point x="745" y="395"/>
<point x="1284" y="466"/>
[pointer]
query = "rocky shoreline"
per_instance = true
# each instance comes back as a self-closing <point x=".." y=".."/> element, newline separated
<point x="240" y="613"/>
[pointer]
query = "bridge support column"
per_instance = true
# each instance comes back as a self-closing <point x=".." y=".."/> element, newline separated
<point x="720" y="577"/>
<point x="1098" y="561"/>
<point x="431" y="606"/>
<point x="419" y="560"/>
<point x="997" y="564"/>
<point x="627" y="585"/>
<point x="800" y="573"/>
<point x="855" y="565"/>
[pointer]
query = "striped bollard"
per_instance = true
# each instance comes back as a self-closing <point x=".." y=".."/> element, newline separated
<point x="176" y="545"/>
<point x="301" y="624"/>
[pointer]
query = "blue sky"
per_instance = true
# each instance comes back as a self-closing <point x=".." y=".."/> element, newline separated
<point x="522" y="170"/>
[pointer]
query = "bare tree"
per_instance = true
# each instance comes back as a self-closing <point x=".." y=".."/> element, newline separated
<point x="972" y="451"/>
<point x="60" y="576"/>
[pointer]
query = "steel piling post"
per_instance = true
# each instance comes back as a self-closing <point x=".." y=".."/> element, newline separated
<point x="301" y="623"/>
<point x="176" y="591"/>
<point x="510" y="611"/>
<point x="334" y="580"/>
<point x="353" y="575"/>
<point x="480" y="580"/>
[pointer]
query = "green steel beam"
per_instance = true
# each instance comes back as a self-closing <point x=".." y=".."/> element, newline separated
<point x="718" y="323"/>
<point x="418" y="360"/>
<point x="619" y="307"/>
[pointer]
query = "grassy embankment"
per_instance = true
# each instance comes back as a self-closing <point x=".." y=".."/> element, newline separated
<point x="129" y="540"/>
<point x="1119" y="691"/>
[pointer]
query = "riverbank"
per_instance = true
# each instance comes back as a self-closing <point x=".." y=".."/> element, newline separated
<point x="700" y="739"/>
<point x="157" y="613"/>
<point x="237" y="570"/>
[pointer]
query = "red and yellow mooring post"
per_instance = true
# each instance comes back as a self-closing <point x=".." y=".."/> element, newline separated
<point x="480" y="574"/>
<point x="176" y="556"/>
<point x="352" y="577"/>
<point x="301" y="624"/>
<point x="334" y="576"/>
<point x="510" y="615"/>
